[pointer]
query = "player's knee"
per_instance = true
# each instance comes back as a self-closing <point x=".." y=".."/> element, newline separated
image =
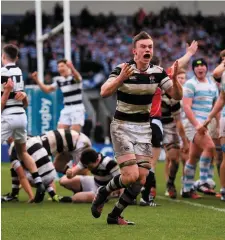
<point x="130" y="177"/>
<point x="62" y="181"/>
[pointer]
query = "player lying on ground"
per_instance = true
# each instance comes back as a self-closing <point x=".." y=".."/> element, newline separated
<point x="84" y="187"/>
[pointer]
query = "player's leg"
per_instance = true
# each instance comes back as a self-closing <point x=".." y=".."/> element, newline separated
<point x="73" y="184"/>
<point x="222" y="171"/>
<point x="64" y="120"/>
<point x="173" y="155"/>
<point x="189" y="172"/>
<point x="205" y="143"/>
<point x="150" y="184"/>
<point x="77" y="119"/>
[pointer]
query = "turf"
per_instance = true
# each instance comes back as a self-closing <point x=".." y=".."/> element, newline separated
<point x="54" y="221"/>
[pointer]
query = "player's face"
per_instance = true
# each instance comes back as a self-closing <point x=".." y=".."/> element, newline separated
<point x="63" y="69"/>
<point x="200" y="71"/>
<point x="143" y="51"/>
<point x="181" y="78"/>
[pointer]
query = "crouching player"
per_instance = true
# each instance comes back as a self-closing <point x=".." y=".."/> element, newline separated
<point x="103" y="169"/>
<point x="20" y="175"/>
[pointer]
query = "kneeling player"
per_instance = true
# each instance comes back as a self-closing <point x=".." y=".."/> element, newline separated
<point x="20" y="174"/>
<point x="64" y="145"/>
<point x="85" y="187"/>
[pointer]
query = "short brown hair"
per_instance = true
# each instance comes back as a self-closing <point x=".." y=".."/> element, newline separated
<point x="11" y="51"/>
<point x="222" y="53"/>
<point x="140" y="36"/>
<point x="62" y="61"/>
<point x="181" y="71"/>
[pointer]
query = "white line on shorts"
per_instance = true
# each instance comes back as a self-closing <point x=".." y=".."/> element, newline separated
<point x="192" y="204"/>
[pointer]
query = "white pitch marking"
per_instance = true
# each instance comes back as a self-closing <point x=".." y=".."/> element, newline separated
<point x="193" y="204"/>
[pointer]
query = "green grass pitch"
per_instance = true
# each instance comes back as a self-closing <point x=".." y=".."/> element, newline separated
<point x="205" y="220"/>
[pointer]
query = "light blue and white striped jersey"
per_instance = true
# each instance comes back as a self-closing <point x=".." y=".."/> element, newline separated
<point x="223" y="89"/>
<point x="203" y="95"/>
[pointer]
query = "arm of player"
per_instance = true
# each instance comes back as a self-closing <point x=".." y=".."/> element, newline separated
<point x="72" y="172"/>
<point x="176" y="91"/>
<point x="218" y="71"/>
<point x="45" y="88"/>
<point x="22" y="179"/>
<point x="181" y="131"/>
<point x="187" y="104"/>
<point x="7" y="89"/>
<point x="217" y="108"/>
<point x="75" y="73"/>
<point x="190" y="51"/>
<point x="22" y="96"/>
<point x="113" y="83"/>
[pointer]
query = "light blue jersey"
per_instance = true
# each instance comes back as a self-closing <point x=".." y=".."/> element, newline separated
<point x="203" y="95"/>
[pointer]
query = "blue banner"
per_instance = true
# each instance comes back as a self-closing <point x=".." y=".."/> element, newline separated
<point x="43" y="110"/>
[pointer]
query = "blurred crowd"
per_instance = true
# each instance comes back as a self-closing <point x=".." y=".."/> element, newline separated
<point x="101" y="42"/>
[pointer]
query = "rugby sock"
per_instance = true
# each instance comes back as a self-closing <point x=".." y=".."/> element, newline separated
<point x="204" y="166"/>
<point x="188" y="179"/>
<point x="114" y="184"/>
<point x="150" y="182"/>
<point x="172" y="172"/>
<point x="15" y="183"/>
<point x="211" y="171"/>
<point x="51" y="191"/>
<point x="126" y="198"/>
<point x="218" y="167"/>
<point x="37" y="179"/>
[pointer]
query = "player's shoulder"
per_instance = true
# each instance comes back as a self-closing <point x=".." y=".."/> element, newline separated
<point x="190" y="81"/>
<point x="4" y="71"/>
<point x="156" y="68"/>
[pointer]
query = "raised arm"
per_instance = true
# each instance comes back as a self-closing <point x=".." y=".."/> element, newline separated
<point x="176" y="91"/>
<point x="45" y="88"/>
<point x="75" y="73"/>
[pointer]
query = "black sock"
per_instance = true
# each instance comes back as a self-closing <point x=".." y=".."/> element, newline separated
<point x="37" y="179"/>
<point x="173" y="172"/>
<point x="126" y="199"/>
<point x="15" y="183"/>
<point x="113" y="185"/>
<point x="51" y="191"/>
<point x="150" y="182"/>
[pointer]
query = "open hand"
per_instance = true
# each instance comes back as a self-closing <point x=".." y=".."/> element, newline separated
<point x="126" y="71"/>
<point x="9" y="85"/>
<point x="192" y="48"/>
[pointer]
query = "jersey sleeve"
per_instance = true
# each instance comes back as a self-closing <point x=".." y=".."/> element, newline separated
<point x="165" y="82"/>
<point x="116" y="72"/>
<point x="113" y="168"/>
<point x="55" y="83"/>
<point x="189" y="89"/>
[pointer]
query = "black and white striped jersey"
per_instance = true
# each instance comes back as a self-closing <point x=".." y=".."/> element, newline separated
<point x="71" y="89"/>
<point x="12" y="106"/>
<point x="134" y="96"/>
<point x="170" y="108"/>
<point x="38" y="154"/>
<point x="64" y="140"/>
<point x="105" y="171"/>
